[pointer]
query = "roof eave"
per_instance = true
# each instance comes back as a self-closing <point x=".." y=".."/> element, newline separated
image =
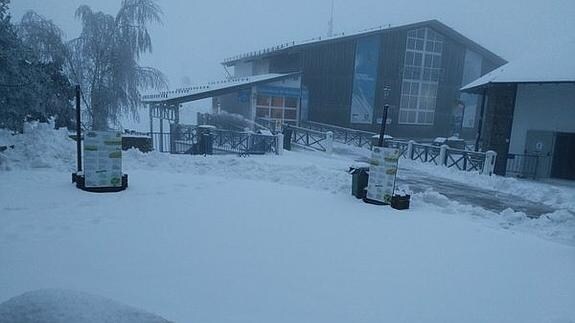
<point x="479" y="88"/>
<point x="217" y="92"/>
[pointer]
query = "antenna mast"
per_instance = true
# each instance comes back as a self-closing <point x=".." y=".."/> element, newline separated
<point x="330" y="23"/>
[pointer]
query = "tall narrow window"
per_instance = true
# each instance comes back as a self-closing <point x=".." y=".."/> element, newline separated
<point x="421" y="73"/>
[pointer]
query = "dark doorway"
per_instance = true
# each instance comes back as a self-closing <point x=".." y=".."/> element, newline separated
<point x="564" y="157"/>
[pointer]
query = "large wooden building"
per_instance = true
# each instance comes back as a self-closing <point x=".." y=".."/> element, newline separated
<point x="416" y="69"/>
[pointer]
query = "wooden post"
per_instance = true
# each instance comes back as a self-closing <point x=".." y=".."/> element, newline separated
<point x="480" y="123"/>
<point x="161" y="134"/>
<point x="151" y="124"/>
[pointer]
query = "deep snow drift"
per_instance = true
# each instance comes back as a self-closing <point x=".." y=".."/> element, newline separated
<point x="61" y="306"/>
<point x="277" y="239"/>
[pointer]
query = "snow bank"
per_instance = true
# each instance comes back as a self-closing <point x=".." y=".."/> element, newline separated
<point x="59" y="306"/>
<point x="40" y="146"/>
<point x="312" y="171"/>
<point x="558" y="226"/>
<point x="43" y="147"/>
<point x="552" y="195"/>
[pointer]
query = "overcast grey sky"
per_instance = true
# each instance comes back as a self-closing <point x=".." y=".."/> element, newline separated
<point x="197" y="35"/>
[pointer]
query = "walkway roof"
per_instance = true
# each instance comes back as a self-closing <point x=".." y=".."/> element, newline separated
<point x="212" y="89"/>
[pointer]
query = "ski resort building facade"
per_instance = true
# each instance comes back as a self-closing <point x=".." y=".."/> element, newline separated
<point x="346" y="80"/>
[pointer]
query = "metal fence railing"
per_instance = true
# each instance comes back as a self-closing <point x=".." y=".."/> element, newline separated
<point x="271" y="124"/>
<point x="466" y="160"/>
<point x="183" y="139"/>
<point x="343" y="135"/>
<point x="403" y="146"/>
<point x="317" y="140"/>
<point x="186" y="139"/>
<point x="161" y="141"/>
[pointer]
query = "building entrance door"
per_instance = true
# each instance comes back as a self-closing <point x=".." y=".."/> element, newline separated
<point x="541" y="143"/>
<point x="564" y="156"/>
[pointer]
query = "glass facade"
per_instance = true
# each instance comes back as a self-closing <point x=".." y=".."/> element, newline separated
<point x="471" y="72"/>
<point x="421" y="74"/>
<point x="364" y="80"/>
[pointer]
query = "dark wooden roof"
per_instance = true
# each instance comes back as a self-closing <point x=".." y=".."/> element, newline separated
<point x="434" y="24"/>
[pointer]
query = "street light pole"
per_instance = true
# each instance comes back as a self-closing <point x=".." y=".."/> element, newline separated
<point x="78" y="130"/>
<point x="383" y="124"/>
<point x="386" y="93"/>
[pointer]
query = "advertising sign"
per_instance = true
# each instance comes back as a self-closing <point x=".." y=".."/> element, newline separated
<point x="364" y="80"/>
<point x="382" y="173"/>
<point x="103" y="159"/>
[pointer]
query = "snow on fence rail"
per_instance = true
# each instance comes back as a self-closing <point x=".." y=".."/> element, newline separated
<point x="186" y="139"/>
<point x="346" y="136"/>
<point x="464" y="160"/>
<point x="243" y="142"/>
<point x="322" y="141"/>
<point x="438" y="155"/>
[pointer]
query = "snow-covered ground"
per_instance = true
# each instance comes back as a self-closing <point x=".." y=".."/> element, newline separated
<point x="276" y="239"/>
<point x="63" y="306"/>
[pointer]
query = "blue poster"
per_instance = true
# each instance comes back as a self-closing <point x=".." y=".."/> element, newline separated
<point x="364" y="80"/>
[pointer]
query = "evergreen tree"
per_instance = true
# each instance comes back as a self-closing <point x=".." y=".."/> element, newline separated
<point x="31" y="87"/>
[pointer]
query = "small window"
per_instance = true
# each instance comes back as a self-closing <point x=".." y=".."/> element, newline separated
<point x="403" y="116"/>
<point x="414" y="88"/>
<point x="417" y="59"/>
<point x="290" y="114"/>
<point x="436" y="61"/>
<point x="411" y="116"/>
<point x="277" y="113"/>
<point x="291" y="102"/>
<point x="263" y="112"/>
<point x="421" y="33"/>
<point x="263" y="100"/>
<point x="419" y="44"/>
<point x="277" y="101"/>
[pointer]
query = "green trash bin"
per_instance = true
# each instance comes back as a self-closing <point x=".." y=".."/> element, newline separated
<point x="359" y="180"/>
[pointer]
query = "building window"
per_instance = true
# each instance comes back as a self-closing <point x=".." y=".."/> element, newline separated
<point x="421" y="74"/>
<point x="277" y="108"/>
<point x="263" y="100"/>
<point x="291" y="102"/>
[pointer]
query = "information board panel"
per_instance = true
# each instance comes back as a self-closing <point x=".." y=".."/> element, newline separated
<point x="103" y="159"/>
<point x="382" y="172"/>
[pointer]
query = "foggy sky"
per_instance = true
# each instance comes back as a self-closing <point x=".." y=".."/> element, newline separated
<point x="197" y="35"/>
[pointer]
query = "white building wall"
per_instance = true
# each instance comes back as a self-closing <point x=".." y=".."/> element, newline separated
<point x="547" y="107"/>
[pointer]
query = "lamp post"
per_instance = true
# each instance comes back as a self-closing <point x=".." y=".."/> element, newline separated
<point x="386" y="93"/>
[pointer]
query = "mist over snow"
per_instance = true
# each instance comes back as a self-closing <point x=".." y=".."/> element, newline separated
<point x="197" y="35"/>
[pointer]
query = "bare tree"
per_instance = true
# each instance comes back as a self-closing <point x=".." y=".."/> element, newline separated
<point x="104" y="60"/>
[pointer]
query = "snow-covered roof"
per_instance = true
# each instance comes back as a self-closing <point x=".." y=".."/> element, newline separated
<point x="213" y="88"/>
<point x="549" y="65"/>
<point x="436" y="24"/>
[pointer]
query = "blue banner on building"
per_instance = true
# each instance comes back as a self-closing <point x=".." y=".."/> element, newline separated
<point x="364" y="80"/>
<point x="278" y="90"/>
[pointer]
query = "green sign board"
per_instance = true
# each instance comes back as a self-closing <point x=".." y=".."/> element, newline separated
<point x="382" y="173"/>
<point x="103" y="159"/>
